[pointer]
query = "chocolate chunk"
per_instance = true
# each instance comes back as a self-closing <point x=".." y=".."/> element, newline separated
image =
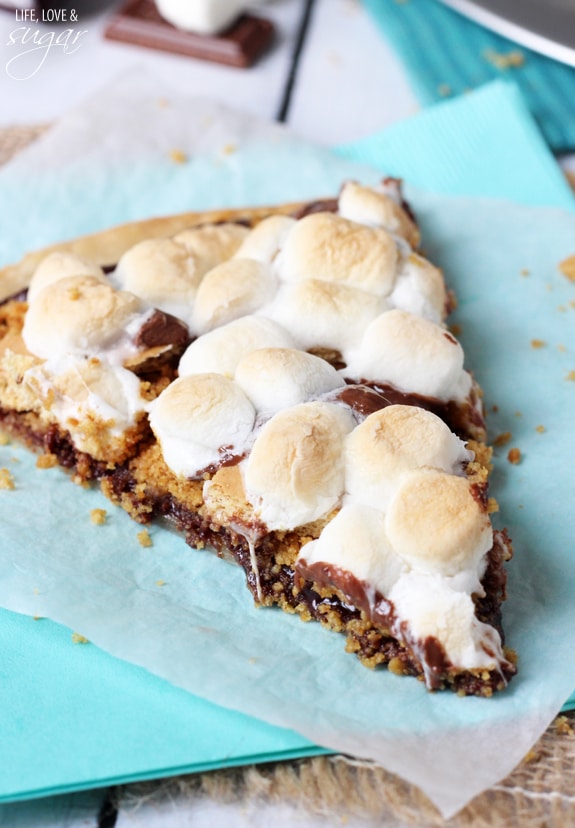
<point x="139" y="22"/>
<point x="162" y="329"/>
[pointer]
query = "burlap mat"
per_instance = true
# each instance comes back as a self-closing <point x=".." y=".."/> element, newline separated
<point x="540" y="793"/>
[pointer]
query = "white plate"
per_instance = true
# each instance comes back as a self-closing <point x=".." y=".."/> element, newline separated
<point x="546" y="26"/>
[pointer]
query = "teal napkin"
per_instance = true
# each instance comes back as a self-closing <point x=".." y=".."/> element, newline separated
<point x="74" y="717"/>
<point x="446" y="55"/>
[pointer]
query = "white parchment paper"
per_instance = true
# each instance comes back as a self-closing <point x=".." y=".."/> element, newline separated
<point x="184" y="614"/>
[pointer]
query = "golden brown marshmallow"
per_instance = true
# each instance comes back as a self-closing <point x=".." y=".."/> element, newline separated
<point x="78" y="314"/>
<point x="276" y="378"/>
<point x="392" y="441"/>
<point x="59" y="265"/>
<point x="328" y="247"/>
<point x="266" y="239"/>
<point x="373" y="206"/>
<point x="436" y="524"/>
<point x="234" y="288"/>
<point x="295" y="471"/>
<point x="212" y="244"/>
<point x="163" y="273"/>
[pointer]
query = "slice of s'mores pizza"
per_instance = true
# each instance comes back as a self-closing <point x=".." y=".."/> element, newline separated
<point x="280" y="385"/>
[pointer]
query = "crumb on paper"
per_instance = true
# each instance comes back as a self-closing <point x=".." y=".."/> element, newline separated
<point x="445" y="90"/>
<point x="495" y="408"/>
<point x="502" y="438"/>
<point x="562" y="308"/>
<point x="525" y="272"/>
<point x="518" y="414"/>
<point x="492" y="506"/>
<point x="37" y="618"/>
<point x="229" y="149"/>
<point x="570" y="376"/>
<point x="561" y="348"/>
<point x="6" y="480"/>
<point x="79" y="639"/>
<point x="178" y="156"/>
<point x="540" y="429"/>
<point x="144" y="538"/>
<point x="514" y="456"/>
<point x="98" y="516"/>
<point x="46" y="461"/>
<point x="160" y="582"/>
<point x="538" y="343"/>
<point x="505" y="60"/>
<point x="567" y="267"/>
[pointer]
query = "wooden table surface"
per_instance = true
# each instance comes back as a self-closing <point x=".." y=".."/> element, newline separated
<point x="325" y="51"/>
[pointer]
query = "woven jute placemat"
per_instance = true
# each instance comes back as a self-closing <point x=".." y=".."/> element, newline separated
<point x="540" y="793"/>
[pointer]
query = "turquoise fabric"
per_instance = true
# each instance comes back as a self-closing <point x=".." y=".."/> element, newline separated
<point x="446" y="54"/>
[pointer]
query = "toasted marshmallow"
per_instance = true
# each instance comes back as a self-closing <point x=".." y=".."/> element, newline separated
<point x="377" y="207"/>
<point x="432" y="608"/>
<point x="411" y="353"/>
<point x="198" y="417"/>
<point x="295" y="471"/>
<point x="328" y="247"/>
<point x="220" y="350"/>
<point x="78" y="315"/>
<point x="321" y="314"/>
<point x="59" y="265"/>
<point x="232" y="289"/>
<point x="355" y="541"/>
<point x="78" y="392"/>
<point x="392" y="441"/>
<point x="211" y="244"/>
<point x="436" y="525"/>
<point x="163" y="273"/>
<point x="276" y="378"/>
<point x="266" y="239"/>
<point x="420" y="289"/>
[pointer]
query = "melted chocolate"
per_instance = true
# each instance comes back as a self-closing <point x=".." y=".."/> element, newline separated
<point x="162" y="329"/>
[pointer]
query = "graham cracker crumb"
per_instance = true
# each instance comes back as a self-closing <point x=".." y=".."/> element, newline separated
<point x="79" y="639"/>
<point x="567" y="267"/>
<point x="525" y="272"/>
<point x="502" y="439"/>
<point x="144" y="538"/>
<point x="540" y="429"/>
<point x="492" y="505"/>
<point x="505" y="60"/>
<point x="178" y="156"/>
<point x="229" y="149"/>
<point x="570" y="376"/>
<point x="160" y="583"/>
<point x="562" y="348"/>
<point x="564" y="726"/>
<point x="6" y="479"/>
<point x="514" y="456"/>
<point x="46" y="461"/>
<point x="538" y="343"/>
<point x="98" y="516"/>
<point x="4" y="439"/>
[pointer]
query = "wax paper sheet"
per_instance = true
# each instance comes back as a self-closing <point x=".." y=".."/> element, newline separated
<point x="186" y="616"/>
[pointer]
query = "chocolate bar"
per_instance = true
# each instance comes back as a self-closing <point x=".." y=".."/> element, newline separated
<point x="140" y="23"/>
